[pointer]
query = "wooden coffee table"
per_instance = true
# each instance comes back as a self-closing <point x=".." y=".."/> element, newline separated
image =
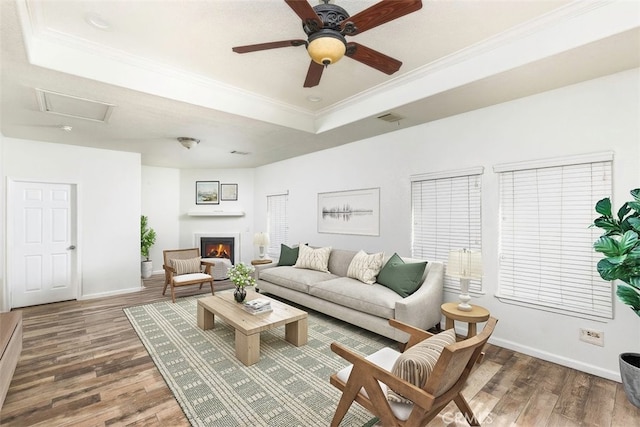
<point x="248" y="326"/>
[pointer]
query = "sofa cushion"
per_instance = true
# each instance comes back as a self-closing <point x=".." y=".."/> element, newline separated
<point x="403" y="278"/>
<point x="288" y="256"/>
<point x="373" y="299"/>
<point x="313" y="259"/>
<point x="365" y="267"/>
<point x="339" y="261"/>
<point x="186" y="266"/>
<point x="294" y="278"/>
<point x="416" y="363"/>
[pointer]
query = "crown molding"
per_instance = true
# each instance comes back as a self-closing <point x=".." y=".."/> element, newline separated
<point x="569" y="27"/>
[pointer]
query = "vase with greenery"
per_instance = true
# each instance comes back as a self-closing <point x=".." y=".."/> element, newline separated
<point x="241" y="275"/>
<point x="147" y="240"/>
<point x="620" y="246"/>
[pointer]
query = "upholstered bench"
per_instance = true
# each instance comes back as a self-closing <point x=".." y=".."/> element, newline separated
<point x="10" y="348"/>
<point x="221" y="266"/>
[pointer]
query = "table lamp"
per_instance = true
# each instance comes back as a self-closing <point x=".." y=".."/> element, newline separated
<point x="262" y="241"/>
<point x="466" y="265"/>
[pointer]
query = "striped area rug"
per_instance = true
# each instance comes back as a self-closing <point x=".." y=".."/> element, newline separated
<point x="289" y="386"/>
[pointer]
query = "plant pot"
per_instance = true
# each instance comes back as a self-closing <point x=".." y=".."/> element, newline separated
<point x="630" y="373"/>
<point x="147" y="269"/>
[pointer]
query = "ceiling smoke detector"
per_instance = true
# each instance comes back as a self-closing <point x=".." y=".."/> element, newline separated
<point x="188" y="143"/>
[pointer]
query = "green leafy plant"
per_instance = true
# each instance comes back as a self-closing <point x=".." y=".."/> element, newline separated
<point x="147" y="237"/>
<point x="242" y="275"/>
<point x="621" y="247"/>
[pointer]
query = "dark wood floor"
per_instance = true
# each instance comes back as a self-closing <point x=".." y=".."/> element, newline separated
<point x="83" y="364"/>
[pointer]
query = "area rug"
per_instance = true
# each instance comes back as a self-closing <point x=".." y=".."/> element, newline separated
<point x="289" y="386"/>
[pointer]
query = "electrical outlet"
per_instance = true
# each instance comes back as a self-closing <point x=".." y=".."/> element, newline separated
<point x="592" y="336"/>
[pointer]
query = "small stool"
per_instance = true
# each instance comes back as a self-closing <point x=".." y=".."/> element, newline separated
<point x="476" y="315"/>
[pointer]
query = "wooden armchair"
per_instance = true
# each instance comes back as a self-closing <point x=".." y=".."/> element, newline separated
<point x="183" y="267"/>
<point x="368" y="379"/>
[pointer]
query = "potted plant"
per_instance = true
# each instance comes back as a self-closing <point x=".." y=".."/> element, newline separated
<point x="147" y="239"/>
<point x="241" y="275"/>
<point x="620" y="246"/>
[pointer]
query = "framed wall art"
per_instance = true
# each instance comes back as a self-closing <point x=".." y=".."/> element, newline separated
<point x="207" y="192"/>
<point x="228" y="192"/>
<point x="350" y="212"/>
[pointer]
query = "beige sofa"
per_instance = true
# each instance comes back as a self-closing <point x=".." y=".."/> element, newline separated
<point x="368" y="306"/>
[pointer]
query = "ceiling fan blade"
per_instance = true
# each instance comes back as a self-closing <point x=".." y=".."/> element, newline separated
<point x="270" y="45"/>
<point x="303" y="9"/>
<point x="379" y="13"/>
<point x="313" y="75"/>
<point x="373" y="58"/>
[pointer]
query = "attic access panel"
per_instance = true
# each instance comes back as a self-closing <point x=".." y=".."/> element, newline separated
<point x="73" y="106"/>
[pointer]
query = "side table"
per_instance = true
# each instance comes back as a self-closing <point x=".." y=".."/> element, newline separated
<point x="476" y="315"/>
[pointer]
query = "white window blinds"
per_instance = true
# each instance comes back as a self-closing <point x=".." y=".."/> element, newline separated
<point x="277" y="222"/>
<point x="546" y="246"/>
<point x="446" y="210"/>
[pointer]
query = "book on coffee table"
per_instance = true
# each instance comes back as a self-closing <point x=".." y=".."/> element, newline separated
<point x="257" y="306"/>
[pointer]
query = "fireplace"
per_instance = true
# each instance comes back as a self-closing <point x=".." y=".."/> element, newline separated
<point x="218" y="247"/>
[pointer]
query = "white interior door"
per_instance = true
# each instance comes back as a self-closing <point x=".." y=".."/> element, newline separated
<point x="42" y="250"/>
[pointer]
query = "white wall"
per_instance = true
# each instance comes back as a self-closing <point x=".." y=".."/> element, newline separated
<point x="595" y="116"/>
<point x="243" y="225"/>
<point x="109" y="197"/>
<point x="161" y="204"/>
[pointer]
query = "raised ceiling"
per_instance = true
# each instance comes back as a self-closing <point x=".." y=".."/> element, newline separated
<point x="168" y="70"/>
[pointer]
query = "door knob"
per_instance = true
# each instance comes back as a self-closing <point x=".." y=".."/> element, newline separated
<point x="72" y="247"/>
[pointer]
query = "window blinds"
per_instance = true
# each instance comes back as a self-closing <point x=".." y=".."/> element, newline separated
<point x="277" y="222"/>
<point x="446" y="210"/>
<point x="546" y="245"/>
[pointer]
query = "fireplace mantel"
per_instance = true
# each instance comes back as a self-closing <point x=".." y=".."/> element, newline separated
<point x="215" y="213"/>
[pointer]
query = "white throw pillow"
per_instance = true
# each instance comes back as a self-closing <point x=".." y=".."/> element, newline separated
<point x="365" y="267"/>
<point x="187" y="266"/>
<point x="313" y="259"/>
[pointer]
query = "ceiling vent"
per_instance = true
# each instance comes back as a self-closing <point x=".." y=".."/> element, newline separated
<point x="72" y="106"/>
<point x="240" y="153"/>
<point x="390" y="117"/>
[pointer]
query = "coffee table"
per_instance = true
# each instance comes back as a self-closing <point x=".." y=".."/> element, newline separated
<point x="248" y="326"/>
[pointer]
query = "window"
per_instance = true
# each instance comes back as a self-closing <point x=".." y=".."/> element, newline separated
<point x="546" y="246"/>
<point x="446" y="210"/>
<point x="277" y="222"/>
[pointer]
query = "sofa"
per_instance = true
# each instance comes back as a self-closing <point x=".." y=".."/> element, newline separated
<point x="330" y="287"/>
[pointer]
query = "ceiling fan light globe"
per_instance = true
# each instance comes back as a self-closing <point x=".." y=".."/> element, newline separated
<point x="326" y="47"/>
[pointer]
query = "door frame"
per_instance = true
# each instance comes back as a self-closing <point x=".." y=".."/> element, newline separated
<point x="75" y="227"/>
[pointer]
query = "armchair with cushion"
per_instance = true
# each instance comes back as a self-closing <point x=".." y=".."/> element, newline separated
<point x="184" y="267"/>
<point x="411" y="388"/>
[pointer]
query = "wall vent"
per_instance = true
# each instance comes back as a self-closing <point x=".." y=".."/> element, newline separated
<point x="73" y="106"/>
<point x="390" y="117"/>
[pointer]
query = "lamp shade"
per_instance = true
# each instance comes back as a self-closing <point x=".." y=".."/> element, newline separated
<point x="261" y="239"/>
<point x="465" y="264"/>
<point x="326" y="47"/>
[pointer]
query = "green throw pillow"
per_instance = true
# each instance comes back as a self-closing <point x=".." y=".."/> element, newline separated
<point x="288" y="256"/>
<point x="403" y="278"/>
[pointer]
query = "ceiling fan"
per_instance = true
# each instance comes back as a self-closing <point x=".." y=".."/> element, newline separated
<point x="326" y="26"/>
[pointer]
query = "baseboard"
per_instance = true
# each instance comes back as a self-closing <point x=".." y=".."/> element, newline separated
<point x="111" y="293"/>
<point x="550" y="357"/>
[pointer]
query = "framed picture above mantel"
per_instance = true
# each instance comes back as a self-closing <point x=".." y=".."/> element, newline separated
<point x="228" y="192"/>
<point x="207" y="192"/>
<point x="350" y="212"/>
